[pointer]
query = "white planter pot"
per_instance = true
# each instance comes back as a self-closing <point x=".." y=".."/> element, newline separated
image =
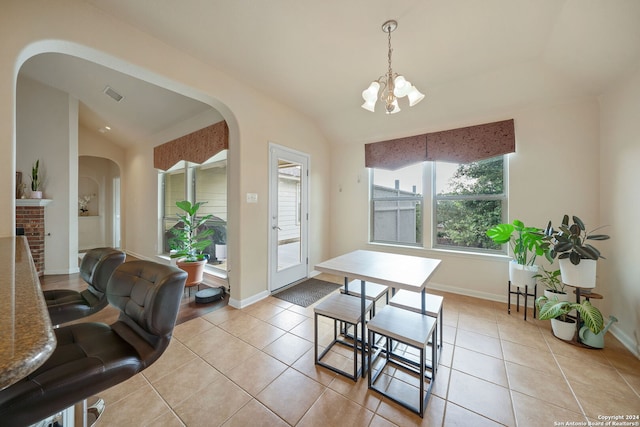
<point x="563" y="330"/>
<point x="221" y="252"/>
<point x="582" y="275"/>
<point x="551" y="295"/>
<point x="36" y="194"/>
<point x="521" y="275"/>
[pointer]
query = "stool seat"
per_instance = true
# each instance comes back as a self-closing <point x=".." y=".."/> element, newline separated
<point x="96" y="268"/>
<point x="402" y="325"/>
<point x="372" y="291"/>
<point x="412" y="301"/>
<point x="342" y="307"/>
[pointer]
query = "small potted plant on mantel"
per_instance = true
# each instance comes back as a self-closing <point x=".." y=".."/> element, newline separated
<point x="526" y="244"/>
<point x="190" y="240"/>
<point x="36" y="181"/>
<point x="577" y="258"/>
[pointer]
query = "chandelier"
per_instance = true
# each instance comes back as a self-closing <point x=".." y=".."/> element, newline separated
<point x="393" y="85"/>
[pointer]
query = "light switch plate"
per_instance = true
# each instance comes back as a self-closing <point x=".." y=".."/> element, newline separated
<point x="252" y="197"/>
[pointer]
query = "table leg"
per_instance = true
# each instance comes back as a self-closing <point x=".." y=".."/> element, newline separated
<point x="363" y="299"/>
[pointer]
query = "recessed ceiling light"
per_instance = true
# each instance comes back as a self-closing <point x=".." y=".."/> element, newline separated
<point x="104" y="129"/>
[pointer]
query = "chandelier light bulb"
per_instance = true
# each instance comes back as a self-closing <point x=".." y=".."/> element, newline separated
<point x="371" y="93"/>
<point x="414" y="96"/>
<point x="401" y="87"/>
<point x="370" y="105"/>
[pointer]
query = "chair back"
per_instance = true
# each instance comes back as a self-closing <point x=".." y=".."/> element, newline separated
<point x="148" y="295"/>
<point x="97" y="266"/>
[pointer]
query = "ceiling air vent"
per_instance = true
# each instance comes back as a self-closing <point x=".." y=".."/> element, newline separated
<point x="113" y="94"/>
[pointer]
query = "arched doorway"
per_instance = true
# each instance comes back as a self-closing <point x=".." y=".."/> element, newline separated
<point x="98" y="203"/>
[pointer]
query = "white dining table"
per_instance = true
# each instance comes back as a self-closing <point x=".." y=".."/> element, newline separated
<point x="397" y="271"/>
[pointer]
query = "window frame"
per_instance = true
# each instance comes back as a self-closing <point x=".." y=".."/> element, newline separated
<point x="190" y="170"/>
<point x="372" y="200"/>
<point x="430" y="232"/>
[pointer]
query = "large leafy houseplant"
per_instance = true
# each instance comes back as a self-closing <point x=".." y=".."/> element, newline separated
<point x="555" y="309"/>
<point x="526" y="242"/>
<point x="191" y="239"/>
<point x="570" y="241"/>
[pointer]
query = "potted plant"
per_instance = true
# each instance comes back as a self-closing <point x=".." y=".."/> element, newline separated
<point x="36" y="182"/>
<point x="221" y="243"/>
<point x="577" y="258"/>
<point x="564" y="326"/>
<point x="554" y="287"/>
<point x="190" y="241"/>
<point x="526" y="244"/>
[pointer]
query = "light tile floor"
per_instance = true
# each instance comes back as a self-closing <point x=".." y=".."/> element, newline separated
<point x="254" y="367"/>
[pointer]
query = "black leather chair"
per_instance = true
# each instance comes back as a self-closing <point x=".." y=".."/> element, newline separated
<point x="96" y="268"/>
<point x="91" y="357"/>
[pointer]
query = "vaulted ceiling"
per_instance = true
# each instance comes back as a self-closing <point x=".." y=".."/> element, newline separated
<point x="471" y="58"/>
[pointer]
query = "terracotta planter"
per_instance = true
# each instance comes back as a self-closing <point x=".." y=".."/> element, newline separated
<point x="521" y="275"/>
<point x="195" y="271"/>
<point x="563" y="330"/>
<point x="582" y="275"/>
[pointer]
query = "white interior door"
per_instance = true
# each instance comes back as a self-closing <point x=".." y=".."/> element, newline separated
<point x="288" y="216"/>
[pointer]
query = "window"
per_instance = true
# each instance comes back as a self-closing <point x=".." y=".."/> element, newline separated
<point x="198" y="183"/>
<point x="397" y="205"/>
<point x="467" y="200"/>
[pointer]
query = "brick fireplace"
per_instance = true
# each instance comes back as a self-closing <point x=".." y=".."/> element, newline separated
<point x="30" y="217"/>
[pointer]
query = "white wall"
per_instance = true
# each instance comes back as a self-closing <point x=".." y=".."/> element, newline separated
<point x="64" y="26"/>
<point x="554" y="145"/>
<point x="620" y="207"/>
<point x="47" y="126"/>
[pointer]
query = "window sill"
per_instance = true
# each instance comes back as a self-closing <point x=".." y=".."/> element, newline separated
<point x="420" y="251"/>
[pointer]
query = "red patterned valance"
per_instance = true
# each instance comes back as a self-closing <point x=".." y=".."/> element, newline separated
<point x="195" y="147"/>
<point x="463" y="145"/>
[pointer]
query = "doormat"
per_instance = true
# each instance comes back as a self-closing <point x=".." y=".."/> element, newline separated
<point x="306" y="293"/>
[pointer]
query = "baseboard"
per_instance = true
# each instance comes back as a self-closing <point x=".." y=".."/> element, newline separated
<point x="63" y="271"/>
<point x="627" y="341"/>
<point x="467" y="292"/>
<point x="248" y="301"/>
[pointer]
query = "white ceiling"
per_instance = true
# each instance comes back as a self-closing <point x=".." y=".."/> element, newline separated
<point x="471" y="58"/>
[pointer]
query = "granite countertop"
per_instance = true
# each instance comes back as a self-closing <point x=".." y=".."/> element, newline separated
<point x="26" y="335"/>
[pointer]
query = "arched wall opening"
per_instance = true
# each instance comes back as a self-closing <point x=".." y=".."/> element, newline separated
<point x="70" y="202"/>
